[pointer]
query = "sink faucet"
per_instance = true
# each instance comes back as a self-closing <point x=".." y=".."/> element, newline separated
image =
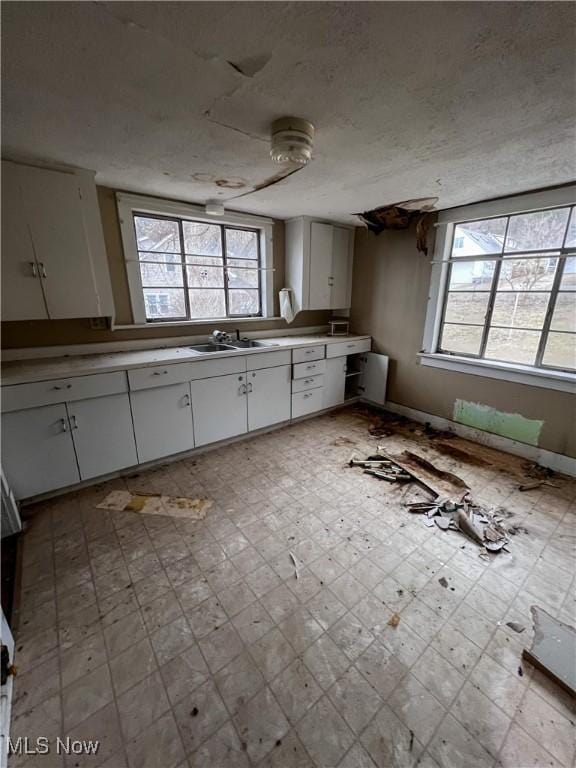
<point x="219" y="337"/>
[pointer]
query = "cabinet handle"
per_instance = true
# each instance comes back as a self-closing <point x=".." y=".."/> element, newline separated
<point x="249" y="386"/>
<point x="350" y="346"/>
<point x="187" y="402"/>
<point x="34" y="268"/>
<point x="62" y="386"/>
<point x="242" y="389"/>
<point x="64" y="425"/>
<point x="310" y="367"/>
<point x="308" y="381"/>
<point x="308" y="394"/>
<point x="42" y="269"/>
<point x="309" y="352"/>
<point x="159" y="373"/>
<point x="74" y="422"/>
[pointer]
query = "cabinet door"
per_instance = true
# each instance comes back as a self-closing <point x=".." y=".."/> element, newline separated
<point x="320" y="265"/>
<point x="268" y="397"/>
<point x="219" y="408"/>
<point x="22" y="297"/>
<point x="54" y="215"/>
<point x="37" y="450"/>
<point x="341" y="269"/>
<point x="374" y="369"/>
<point x="334" y="381"/>
<point x="103" y="435"/>
<point x="162" y="421"/>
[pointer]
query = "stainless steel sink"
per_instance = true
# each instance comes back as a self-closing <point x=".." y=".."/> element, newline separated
<point x="249" y="343"/>
<point x="205" y="348"/>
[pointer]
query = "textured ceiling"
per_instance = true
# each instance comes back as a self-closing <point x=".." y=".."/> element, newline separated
<point x="464" y="101"/>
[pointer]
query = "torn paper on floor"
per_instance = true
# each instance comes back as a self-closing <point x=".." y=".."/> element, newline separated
<point x="154" y="504"/>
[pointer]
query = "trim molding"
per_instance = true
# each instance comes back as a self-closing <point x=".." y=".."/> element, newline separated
<point x="535" y="377"/>
<point x="556" y="461"/>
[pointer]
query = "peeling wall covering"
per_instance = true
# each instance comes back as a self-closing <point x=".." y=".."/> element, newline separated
<point x="389" y="296"/>
<point x="512" y="425"/>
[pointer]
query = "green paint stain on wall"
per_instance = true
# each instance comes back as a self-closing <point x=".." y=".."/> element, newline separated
<point x="511" y="425"/>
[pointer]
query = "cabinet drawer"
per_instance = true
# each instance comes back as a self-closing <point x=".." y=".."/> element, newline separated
<point x="20" y="396"/>
<point x="309" y="353"/>
<point x="306" y="402"/>
<point x="159" y="376"/>
<point x="348" y="347"/>
<point x="178" y="373"/>
<point x="312" y="382"/>
<point x="261" y="360"/>
<point x="305" y="370"/>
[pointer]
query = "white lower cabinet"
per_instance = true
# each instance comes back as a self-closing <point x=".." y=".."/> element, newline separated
<point x="162" y="421"/>
<point x="334" y="382"/>
<point x="37" y="450"/>
<point x="103" y="436"/>
<point x="219" y="407"/>
<point x="268" y="397"/>
<point x="304" y="403"/>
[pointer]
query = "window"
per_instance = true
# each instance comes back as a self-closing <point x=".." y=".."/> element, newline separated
<point x="502" y="300"/>
<point x="510" y="292"/>
<point x="194" y="269"/>
<point x="184" y="265"/>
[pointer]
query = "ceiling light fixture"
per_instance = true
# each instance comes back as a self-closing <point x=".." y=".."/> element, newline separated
<point x="214" y="208"/>
<point x="292" y="141"/>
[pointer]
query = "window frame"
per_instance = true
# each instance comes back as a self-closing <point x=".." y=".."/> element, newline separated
<point x="133" y="205"/>
<point x="432" y="354"/>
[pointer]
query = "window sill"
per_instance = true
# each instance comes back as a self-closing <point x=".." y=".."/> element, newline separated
<point x="184" y="323"/>
<point x="519" y="374"/>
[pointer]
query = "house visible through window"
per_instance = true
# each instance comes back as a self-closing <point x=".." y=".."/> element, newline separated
<point x="192" y="269"/>
<point x="511" y="290"/>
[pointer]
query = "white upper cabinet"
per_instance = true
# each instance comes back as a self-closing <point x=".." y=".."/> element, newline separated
<point x="53" y="255"/>
<point x="319" y="264"/>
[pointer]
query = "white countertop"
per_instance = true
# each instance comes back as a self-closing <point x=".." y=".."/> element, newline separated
<point x="41" y="369"/>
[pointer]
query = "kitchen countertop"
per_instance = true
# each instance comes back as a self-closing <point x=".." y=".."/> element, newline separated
<point x="41" y="369"/>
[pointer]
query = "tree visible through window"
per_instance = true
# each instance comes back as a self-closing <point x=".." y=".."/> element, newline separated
<point x="511" y="290"/>
<point x="194" y="270"/>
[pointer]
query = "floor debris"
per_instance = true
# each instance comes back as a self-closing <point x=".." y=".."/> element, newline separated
<point x="553" y="649"/>
<point x="515" y="626"/>
<point x="338" y="441"/>
<point x="295" y="564"/>
<point x="156" y="504"/>
<point x="394" y="620"/>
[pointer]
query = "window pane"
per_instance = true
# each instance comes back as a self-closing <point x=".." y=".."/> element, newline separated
<point x="541" y="229"/>
<point x="207" y="303"/>
<point x="472" y="276"/>
<point x="564" y="317"/>
<point x="512" y="346"/>
<point x="243" y="302"/>
<point x="568" y="282"/>
<point x="527" y="274"/>
<point x="520" y="310"/>
<point x="241" y="244"/>
<point x="154" y="275"/>
<point x="202" y="238"/>
<point x="477" y="237"/>
<point x="164" y="304"/>
<point x="464" y="307"/>
<point x="157" y="234"/>
<point x="461" y="338"/>
<point x="560" y="350"/>
<point x="243" y="278"/>
<point x="571" y="234"/>
<point x="205" y="277"/>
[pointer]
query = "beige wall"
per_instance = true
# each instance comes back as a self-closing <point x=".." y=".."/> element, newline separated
<point x="390" y="292"/>
<point x="39" y="333"/>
